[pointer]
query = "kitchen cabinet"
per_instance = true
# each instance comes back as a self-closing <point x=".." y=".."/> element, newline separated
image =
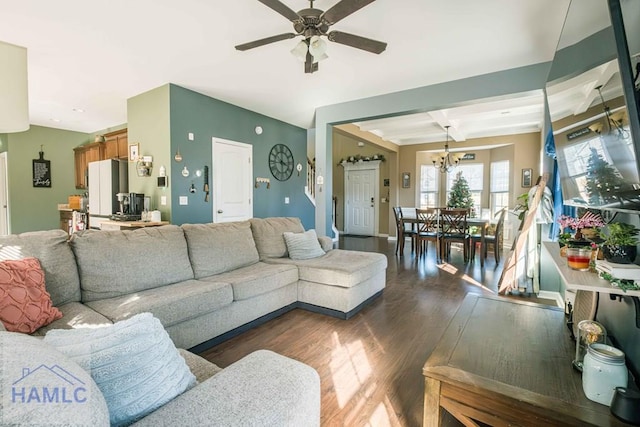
<point x="116" y="145"/>
<point x="82" y="156"/>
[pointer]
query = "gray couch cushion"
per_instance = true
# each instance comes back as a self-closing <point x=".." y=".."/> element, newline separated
<point x="200" y="367"/>
<point x="117" y="263"/>
<point x="171" y="304"/>
<point x="27" y="362"/>
<point x="56" y="259"/>
<point x="261" y="389"/>
<point x="216" y="248"/>
<point x="268" y="235"/>
<point x="338" y="267"/>
<point x="257" y="279"/>
<point x="75" y="315"/>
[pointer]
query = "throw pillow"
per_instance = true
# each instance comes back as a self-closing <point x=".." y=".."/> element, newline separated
<point x="134" y="363"/>
<point x="25" y="304"/>
<point x="303" y="245"/>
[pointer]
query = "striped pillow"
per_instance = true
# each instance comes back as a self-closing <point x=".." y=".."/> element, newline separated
<point x="303" y="245"/>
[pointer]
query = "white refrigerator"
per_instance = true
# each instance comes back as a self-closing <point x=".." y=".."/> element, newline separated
<point x="106" y="179"/>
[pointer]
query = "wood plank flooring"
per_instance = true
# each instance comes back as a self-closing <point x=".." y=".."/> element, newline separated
<point x="370" y="366"/>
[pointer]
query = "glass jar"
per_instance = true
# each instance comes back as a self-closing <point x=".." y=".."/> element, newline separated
<point x="603" y="370"/>
<point x="589" y="332"/>
<point x="579" y="258"/>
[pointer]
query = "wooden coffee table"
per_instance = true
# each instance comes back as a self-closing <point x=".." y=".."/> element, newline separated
<point x="505" y="362"/>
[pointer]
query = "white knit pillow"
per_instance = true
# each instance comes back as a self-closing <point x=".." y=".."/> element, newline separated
<point x="303" y="245"/>
<point x="134" y="363"/>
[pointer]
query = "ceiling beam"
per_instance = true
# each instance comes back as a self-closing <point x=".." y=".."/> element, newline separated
<point x="443" y="121"/>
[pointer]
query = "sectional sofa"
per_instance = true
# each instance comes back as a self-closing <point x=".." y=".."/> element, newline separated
<point x="204" y="282"/>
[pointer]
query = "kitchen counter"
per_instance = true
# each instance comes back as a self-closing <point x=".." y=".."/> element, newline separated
<point x="129" y="225"/>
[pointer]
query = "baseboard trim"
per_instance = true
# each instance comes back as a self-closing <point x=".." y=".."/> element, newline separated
<point x="279" y="312"/>
<point x="337" y="313"/>
<point x="553" y="296"/>
<point x="241" y="329"/>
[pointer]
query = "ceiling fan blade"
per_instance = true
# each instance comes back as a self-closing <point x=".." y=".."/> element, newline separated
<point x="358" y="42"/>
<point x="282" y="9"/>
<point x="267" y="40"/>
<point x="343" y="9"/>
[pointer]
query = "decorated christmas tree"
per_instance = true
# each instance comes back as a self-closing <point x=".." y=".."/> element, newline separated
<point x="460" y="196"/>
<point x="602" y="179"/>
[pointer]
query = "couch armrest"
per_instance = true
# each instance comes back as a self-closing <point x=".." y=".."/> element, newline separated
<point x="263" y="388"/>
<point x="326" y="243"/>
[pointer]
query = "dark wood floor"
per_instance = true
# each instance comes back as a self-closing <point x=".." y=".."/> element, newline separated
<point x="370" y="366"/>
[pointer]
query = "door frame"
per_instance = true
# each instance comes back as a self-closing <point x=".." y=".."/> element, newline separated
<point x="359" y="166"/>
<point x="249" y="147"/>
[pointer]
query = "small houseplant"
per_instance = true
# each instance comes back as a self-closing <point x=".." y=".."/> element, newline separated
<point x="620" y="242"/>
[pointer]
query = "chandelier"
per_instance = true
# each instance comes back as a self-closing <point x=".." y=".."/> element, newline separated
<point x="613" y="121"/>
<point x="445" y="162"/>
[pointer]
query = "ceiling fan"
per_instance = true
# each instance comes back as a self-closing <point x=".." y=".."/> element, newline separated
<point x="312" y="24"/>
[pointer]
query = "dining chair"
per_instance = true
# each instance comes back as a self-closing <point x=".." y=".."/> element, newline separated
<point x="494" y="239"/>
<point x="454" y="228"/>
<point x="428" y="229"/>
<point x="402" y="231"/>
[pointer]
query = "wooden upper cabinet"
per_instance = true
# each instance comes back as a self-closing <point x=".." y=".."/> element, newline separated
<point x="83" y="155"/>
<point x="116" y="145"/>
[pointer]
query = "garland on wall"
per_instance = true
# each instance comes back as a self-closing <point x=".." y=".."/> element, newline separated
<point x="360" y="158"/>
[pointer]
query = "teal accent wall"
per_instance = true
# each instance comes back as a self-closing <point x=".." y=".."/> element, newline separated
<point x="30" y="208"/>
<point x="207" y="117"/>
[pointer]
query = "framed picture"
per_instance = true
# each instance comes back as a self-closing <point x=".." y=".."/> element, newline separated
<point x="406" y="179"/>
<point x="526" y="177"/>
<point x="134" y="152"/>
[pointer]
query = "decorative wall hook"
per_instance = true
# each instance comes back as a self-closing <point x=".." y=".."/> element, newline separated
<point x="262" y="181"/>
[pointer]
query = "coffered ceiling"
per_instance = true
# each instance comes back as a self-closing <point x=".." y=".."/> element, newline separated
<point x="87" y="58"/>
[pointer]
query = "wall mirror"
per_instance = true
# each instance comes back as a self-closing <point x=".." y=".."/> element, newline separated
<point x="597" y="157"/>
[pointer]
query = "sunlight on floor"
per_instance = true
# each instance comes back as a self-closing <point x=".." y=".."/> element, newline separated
<point x="448" y="268"/>
<point x="350" y="368"/>
<point x="384" y="415"/>
<point x="474" y="282"/>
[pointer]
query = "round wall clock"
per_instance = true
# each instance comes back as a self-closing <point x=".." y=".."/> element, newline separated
<point x="281" y="162"/>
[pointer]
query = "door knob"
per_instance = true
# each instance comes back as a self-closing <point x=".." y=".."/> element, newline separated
<point x="219" y="210"/>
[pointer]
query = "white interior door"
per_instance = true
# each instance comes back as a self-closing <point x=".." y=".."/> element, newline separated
<point x="232" y="180"/>
<point x="360" y="197"/>
<point x="4" y="199"/>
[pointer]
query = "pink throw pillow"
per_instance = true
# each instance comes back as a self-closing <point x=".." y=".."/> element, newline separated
<point x="25" y="304"/>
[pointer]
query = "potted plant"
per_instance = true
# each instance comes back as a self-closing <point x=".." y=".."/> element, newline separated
<point x="620" y="242"/>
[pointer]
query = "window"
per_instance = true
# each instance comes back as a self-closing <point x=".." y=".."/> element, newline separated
<point x="499" y="186"/>
<point x="473" y="173"/>
<point x="429" y="186"/>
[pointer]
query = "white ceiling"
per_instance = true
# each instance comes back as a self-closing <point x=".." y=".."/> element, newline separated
<point x="95" y="55"/>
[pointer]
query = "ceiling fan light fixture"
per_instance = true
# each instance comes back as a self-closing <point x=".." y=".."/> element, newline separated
<point x="317" y="48"/>
<point x="300" y="51"/>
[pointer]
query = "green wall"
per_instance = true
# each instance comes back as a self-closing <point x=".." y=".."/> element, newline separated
<point x="206" y="117"/>
<point x="32" y="208"/>
<point x="149" y="126"/>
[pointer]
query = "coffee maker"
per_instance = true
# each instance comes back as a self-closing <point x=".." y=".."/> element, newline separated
<point x="131" y="207"/>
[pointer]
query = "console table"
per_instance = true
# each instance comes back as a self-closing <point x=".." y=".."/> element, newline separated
<point x="505" y="362"/>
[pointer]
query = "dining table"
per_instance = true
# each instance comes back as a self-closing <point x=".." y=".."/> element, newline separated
<point x="409" y="219"/>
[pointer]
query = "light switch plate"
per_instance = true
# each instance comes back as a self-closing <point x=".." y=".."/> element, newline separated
<point x="184" y="200"/>
<point x="163" y="200"/>
<point x="190" y="136"/>
<point x="286" y="200"/>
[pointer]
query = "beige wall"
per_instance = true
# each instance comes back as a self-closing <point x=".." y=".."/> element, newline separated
<point x="523" y="151"/>
<point x="345" y="145"/>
